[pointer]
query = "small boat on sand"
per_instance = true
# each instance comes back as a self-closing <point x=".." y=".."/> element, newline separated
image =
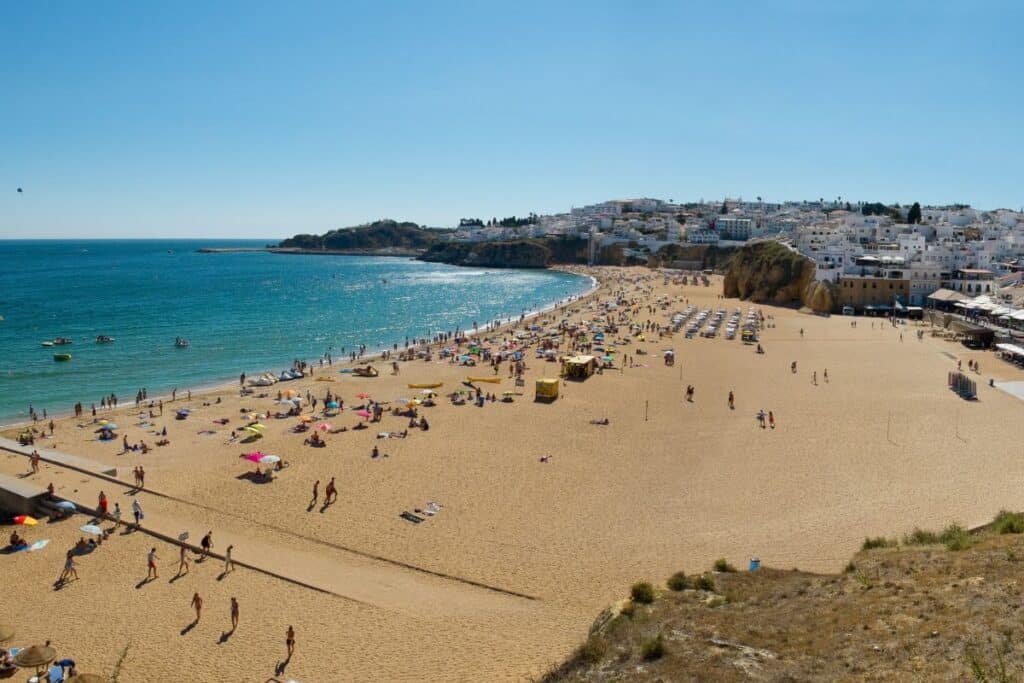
<point x="489" y="380"/>
<point x="62" y="356"/>
<point x="431" y="385"/>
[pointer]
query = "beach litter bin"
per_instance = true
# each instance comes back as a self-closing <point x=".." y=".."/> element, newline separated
<point x="546" y="390"/>
<point x="755" y="564"/>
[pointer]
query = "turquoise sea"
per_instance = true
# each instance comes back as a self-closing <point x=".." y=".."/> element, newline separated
<point x="241" y="312"/>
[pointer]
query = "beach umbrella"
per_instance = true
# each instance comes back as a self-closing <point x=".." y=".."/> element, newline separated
<point x="87" y="678"/>
<point x="91" y="529"/>
<point x="66" y="505"/>
<point x="103" y="422"/>
<point x="363" y="413"/>
<point x="362" y="395"/>
<point x="6" y="632"/>
<point x="306" y="418"/>
<point x="332" y="404"/>
<point x="26" y="520"/>
<point x="290" y="393"/>
<point x="324" y="426"/>
<point x="258" y="425"/>
<point x="35" y="656"/>
<point x="252" y="457"/>
<point x="270" y="460"/>
<point x="253" y="431"/>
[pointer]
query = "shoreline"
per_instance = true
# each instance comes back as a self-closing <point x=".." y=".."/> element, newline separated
<point x="212" y="386"/>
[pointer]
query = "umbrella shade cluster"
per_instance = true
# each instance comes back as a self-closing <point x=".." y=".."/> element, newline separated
<point x="262" y="458"/>
<point x="35" y="656"/>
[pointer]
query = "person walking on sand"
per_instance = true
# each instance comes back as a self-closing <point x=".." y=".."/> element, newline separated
<point x="330" y="493"/>
<point x="102" y="506"/>
<point x="316" y="493"/>
<point x="182" y="561"/>
<point x="197" y="602"/>
<point x="34" y="460"/>
<point x="151" y="559"/>
<point x="142" y="477"/>
<point x="732" y="401"/>
<point x="234" y="614"/>
<point x="116" y="515"/>
<point x="814" y="378"/>
<point x="206" y="544"/>
<point x="771" y="419"/>
<point x="229" y="565"/>
<point x="826" y="375"/>
<point x="289" y="641"/>
<point x="137" y="511"/>
<point x="69" y="568"/>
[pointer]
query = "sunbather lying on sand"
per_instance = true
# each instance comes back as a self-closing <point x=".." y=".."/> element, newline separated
<point x="604" y="421"/>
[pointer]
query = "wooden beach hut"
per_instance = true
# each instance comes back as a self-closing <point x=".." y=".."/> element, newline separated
<point x="579" y="367"/>
<point x="546" y="389"/>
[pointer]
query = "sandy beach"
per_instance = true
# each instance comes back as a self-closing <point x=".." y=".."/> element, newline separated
<point x="522" y="554"/>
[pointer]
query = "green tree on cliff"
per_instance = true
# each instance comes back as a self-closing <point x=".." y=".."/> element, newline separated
<point x="914" y="215"/>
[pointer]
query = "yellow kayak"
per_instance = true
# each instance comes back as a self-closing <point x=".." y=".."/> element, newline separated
<point x="492" y="380"/>
<point x="433" y="385"/>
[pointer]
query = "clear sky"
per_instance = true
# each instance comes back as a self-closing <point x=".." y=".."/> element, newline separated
<point x="139" y="119"/>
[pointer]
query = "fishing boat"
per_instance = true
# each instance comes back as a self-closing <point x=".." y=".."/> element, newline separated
<point x="61" y="341"/>
<point x="104" y="339"/>
<point x="181" y="343"/>
<point x="62" y="356"/>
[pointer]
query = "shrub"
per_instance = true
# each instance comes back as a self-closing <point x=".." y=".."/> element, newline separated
<point x="721" y="565"/>
<point x="652" y="649"/>
<point x="677" y="582"/>
<point x="704" y="583"/>
<point x="921" y="537"/>
<point x="627" y="610"/>
<point x="1007" y="522"/>
<point x="877" y="542"/>
<point x="642" y="592"/>
<point x="955" y="537"/>
<point x="850" y="567"/>
<point x="593" y="650"/>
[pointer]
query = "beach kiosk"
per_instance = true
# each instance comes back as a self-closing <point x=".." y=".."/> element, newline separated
<point x="546" y="390"/>
<point x="579" y="367"/>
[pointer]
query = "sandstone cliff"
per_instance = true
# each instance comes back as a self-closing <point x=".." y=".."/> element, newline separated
<point x="771" y="273"/>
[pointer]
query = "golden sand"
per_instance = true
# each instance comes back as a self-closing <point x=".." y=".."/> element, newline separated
<point x="505" y="580"/>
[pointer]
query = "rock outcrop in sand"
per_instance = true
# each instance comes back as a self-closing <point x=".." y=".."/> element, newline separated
<point x="771" y="273"/>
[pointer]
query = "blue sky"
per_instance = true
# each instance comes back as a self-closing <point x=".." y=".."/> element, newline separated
<point x="267" y="119"/>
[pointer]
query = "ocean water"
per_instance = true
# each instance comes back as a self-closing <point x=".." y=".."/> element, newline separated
<point x="246" y="312"/>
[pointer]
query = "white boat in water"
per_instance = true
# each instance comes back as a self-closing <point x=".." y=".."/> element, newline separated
<point x="181" y="342"/>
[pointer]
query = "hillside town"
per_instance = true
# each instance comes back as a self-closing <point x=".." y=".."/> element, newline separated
<point x="880" y="257"/>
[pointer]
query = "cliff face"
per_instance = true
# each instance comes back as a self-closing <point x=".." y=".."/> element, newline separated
<point x="769" y="272"/>
<point x="519" y="254"/>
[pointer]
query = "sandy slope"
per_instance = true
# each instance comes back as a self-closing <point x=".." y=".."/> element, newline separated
<point x="636" y="499"/>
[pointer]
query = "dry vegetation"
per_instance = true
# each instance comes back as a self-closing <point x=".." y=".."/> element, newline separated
<point x="936" y="606"/>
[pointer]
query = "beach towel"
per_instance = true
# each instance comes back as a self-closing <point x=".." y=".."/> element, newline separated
<point x="411" y="517"/>
<point x="38" y="545"/>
